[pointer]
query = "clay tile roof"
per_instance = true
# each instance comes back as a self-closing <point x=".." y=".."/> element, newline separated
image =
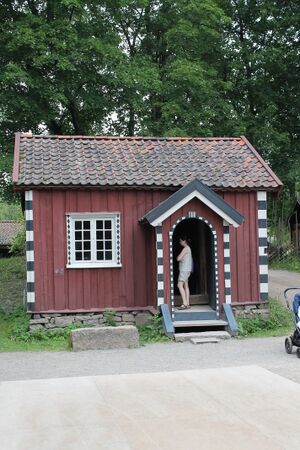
<point x="139" y="161"/>
<point x="8" y="231"/>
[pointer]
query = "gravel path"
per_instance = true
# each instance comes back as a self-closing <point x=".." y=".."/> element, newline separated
<point x="279" y="280"/>
<point x="265" y="352"/>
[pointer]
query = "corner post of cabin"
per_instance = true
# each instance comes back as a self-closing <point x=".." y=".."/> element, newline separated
<point x="227" y="272"/>
<point x="262" y="244"/>
<point x="29" y="250"/>
<point x="159" y="265"/>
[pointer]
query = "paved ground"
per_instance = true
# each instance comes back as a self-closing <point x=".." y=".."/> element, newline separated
<point x="265" y="352"/>
<point x="279" y="280"/>
<point x="242" y="408"/>
<point x="158" y="403"/>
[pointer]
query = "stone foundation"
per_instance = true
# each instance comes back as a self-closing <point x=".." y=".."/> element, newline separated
<point x="51" y="321"/>
<point x="249" y="310"/>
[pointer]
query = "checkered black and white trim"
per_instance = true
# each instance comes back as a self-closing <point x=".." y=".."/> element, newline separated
<point x="262" y="244"/>
<point x="193" y="215"/>
<point x="227" y="274"/>
<point x="159" y="264"/>
<point x="29" y="250"/>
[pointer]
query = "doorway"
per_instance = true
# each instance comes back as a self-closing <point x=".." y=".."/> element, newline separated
<point x="202" y="280"/>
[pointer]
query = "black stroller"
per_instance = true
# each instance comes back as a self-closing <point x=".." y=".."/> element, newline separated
<point x="294" y="339"/>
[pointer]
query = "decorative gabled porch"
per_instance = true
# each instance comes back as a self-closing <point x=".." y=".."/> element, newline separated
<point x="198" y="212"/>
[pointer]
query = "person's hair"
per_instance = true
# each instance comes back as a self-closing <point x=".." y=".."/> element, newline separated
<point x="185" y="238"/>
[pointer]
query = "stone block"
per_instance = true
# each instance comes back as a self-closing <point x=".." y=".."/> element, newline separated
<point x="38" y="321"/>
<point x="104" y="338"/>
<point x="62" y="322"/>
<point x="91" y="321"/>
<point x="82" y="317"/>
<point x="128" y="318"/>
<point x="118" y="319"/>
<point x="36" y="327"/>
<point x="97" y="316"/>
<point x="142" y="319"/>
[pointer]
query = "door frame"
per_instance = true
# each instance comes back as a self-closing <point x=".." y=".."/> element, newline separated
<point x="215" y="278"/>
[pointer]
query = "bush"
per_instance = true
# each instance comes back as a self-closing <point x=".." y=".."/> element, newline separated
<point x="110" y="317"/>
<point x="292" y="264"/>
<point x="280" y="318"/>
<point x="12" y="283"/>
<point x="19" y="242"/>
<point x="152" y="332"/>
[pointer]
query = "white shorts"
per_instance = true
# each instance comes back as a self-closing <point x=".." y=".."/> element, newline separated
<point x="184" y="276"/>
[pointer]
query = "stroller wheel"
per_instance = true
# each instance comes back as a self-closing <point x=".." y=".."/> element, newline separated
<point x="288" y="345"/>
<point x="298" y="352"/>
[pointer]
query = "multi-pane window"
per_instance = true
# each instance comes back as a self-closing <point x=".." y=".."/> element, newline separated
<point x="93" y="240"/>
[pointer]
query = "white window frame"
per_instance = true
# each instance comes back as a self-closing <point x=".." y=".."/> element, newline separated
<point x="116" y="240"/>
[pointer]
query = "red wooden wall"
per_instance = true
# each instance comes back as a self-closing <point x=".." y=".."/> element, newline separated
<point x="132" y="285"/>
<point x="244" y="248"/>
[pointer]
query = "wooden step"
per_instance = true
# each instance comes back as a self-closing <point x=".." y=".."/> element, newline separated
<point x="199" y="299"/>
<point x="199" y="323"/>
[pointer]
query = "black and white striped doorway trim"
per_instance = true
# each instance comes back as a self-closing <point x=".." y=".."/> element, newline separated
<point x="227" y="272"/>
<point x="159" y="266"/>
<point x="193" y="215"/>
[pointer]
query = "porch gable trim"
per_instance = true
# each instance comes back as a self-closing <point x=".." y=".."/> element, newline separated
<point x="195" y="189"/>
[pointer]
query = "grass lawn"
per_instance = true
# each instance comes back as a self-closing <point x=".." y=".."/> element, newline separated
<point x="281" y="331"/>
<point x="293" y="265"/>
<point x="279" y="323"/>
<point x="12" y="282"/>
<point x="14" y="335"/>
<point x="14" y="322"/>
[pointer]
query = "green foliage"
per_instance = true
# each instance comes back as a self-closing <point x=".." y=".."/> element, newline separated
<point x="19" y="242"/>
<point x="153" y="67"/>
<point x="110" y="317"/>
<point x="292" y="264"/>
<point x="10" y="211"/>
<point x="279" y="320"/>
<point x="153" y="331"/>
<point x="12" y="282"/>
<point x="15" y="334"/>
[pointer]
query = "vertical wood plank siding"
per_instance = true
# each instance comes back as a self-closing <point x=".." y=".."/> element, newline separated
<point x="135" y="283"/>
<point x="243" y="248"/>
<point x="59" y="288"/>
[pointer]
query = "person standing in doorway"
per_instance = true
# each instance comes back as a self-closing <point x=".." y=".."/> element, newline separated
<point x="185" y="268"/>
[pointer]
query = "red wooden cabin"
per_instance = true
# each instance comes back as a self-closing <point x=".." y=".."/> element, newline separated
<point x="104" y="216"/>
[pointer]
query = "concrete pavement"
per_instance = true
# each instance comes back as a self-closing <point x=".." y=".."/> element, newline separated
<point x="231" y="408"/>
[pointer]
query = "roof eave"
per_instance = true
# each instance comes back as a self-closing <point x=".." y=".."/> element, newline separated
<point x="20" y="187"/>
<point x="263" y="162"/>
<point x="16" y="157"/>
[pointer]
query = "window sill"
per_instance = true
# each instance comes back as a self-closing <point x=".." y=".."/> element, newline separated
<point x="93" y="266"/>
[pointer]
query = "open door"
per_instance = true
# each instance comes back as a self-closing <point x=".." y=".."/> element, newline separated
<point x="202" y="280"/>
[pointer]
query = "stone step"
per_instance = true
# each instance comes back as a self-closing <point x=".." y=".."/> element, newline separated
<point x="199" y="323"/>
<point x="204" y="340"/>
<point x="217" y="335"/>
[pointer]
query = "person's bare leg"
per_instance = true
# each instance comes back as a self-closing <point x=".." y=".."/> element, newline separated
<point x="182" y="292"/>
<point x="187" y="292"/>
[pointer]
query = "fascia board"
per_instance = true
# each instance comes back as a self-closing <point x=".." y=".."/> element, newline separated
<point x="185" y="200"/>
